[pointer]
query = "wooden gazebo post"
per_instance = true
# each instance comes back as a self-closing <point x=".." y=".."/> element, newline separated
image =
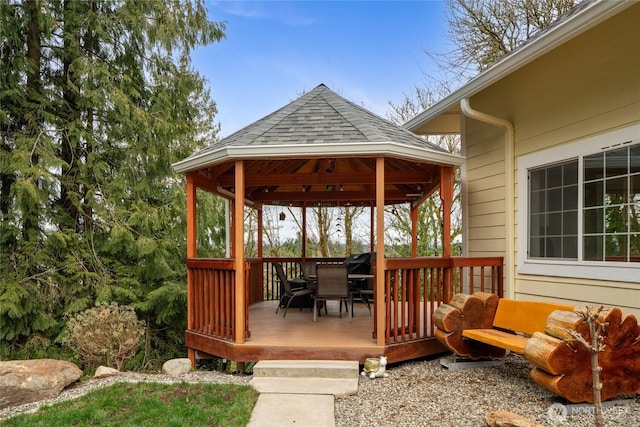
<point x="259" y="232"/>
<point x="238" y="252"/>
<point x="304" y="233"/>
<point x="446" y="195"/>
<point x="414" y="229"/>
<point x="191" y="253"/>
<point x="372" y="229"/>
<point x="380" y="261"/>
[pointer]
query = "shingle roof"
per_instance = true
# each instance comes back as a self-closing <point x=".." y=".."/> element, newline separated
<point x="321" y="149"/>
<point x="321" y="117"/>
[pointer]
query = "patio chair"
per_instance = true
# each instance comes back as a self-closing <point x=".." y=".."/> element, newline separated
<point x="333" y="284"/>
<point x="308" y="270"/>
<point x="288" y="292"/>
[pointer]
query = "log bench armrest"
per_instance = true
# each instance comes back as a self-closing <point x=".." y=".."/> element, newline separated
<point x="497" y="338"/>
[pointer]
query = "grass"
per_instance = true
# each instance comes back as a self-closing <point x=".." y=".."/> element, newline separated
<point x="149" y="404"/>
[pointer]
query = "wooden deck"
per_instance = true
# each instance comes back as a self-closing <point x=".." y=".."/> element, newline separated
<point x="298" y="328"/>
<point x="224" y="323"/>
<point x="296" y="336"/>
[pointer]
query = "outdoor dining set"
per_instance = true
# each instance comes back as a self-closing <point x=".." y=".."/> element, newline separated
<point x="347" y="282"/>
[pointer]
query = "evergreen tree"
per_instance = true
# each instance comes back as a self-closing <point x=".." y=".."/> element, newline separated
<point x="98" y="99"/>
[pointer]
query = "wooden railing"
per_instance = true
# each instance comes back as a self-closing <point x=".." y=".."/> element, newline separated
<point x="478" y="274"/>
<point x="212" y="298"/>
<point x="415" y="287"/>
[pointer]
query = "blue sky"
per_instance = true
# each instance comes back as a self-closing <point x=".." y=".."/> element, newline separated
<point x="370" y="52"/>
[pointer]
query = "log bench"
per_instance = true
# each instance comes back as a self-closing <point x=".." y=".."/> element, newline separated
<point x="481" y="326"/>
<point x="514" y="322"/>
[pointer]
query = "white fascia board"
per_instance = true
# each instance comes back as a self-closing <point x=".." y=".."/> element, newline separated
<point x="360" y="149"/>
<point x="598" y="12"/>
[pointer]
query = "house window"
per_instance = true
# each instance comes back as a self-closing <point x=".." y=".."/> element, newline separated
<point x="581" y="207"/>
<point x="612" y="205"/>
<point x="553" y="211"/>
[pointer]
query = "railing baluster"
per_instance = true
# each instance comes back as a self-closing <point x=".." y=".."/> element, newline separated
<point x="416" y="287"/>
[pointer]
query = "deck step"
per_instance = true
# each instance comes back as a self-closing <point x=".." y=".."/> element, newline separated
<point x="334" y="377"/>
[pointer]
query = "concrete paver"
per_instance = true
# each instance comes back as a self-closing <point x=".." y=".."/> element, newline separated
<point x="281" y="410"/>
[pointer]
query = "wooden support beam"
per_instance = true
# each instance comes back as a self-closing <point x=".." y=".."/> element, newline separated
<point x="414" y="230"/>
<point x="446" y="194"/>
<point x="304" y="233"/>
<point x="380" y="262"/>
<point x="191" y="253"/>
<point x="259" y="231"/>
<point x="191" y="217"/>
<point x="324" y="178"/>
<point x="325" y="196"/>
<point x="238" y="252"/>
<point x="372" y="229"/>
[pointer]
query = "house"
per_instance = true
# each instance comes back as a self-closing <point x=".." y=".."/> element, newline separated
<point x="551" y="138"/>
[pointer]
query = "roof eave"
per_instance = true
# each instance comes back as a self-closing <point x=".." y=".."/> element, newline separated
<point x="288" y="151"/>
<point x="591" y="16"/>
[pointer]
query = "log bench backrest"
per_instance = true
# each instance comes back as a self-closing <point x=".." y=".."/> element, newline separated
<point x="525" y="316"/>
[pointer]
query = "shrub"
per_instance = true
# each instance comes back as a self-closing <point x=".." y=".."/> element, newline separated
<point x="107" y="334"/>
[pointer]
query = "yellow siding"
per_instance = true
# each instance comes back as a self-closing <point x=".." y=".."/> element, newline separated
<point x="589" y="85"/>
<point x="582" y="292"/>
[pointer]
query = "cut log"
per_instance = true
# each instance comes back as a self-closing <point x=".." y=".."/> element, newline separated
<point x="468" y="348"/>
<point x="479" y="310"/>
<point x="560" y="322"/>
<point x="619" y="360"/>
<point x="549" y="353"/>
<point x="466" y="311"/>
<point x="448" y="318"/>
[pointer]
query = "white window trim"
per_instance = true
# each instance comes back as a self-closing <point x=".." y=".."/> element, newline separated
<point x="610" y="271"/>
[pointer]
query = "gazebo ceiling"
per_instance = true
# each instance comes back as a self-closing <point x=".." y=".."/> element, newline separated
<point x="338" y="181"/>
<point x="321" y="150"/>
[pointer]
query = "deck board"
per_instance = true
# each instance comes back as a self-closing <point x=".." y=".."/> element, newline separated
<point x="297" y="337"/>
<point x="298" y="328"/>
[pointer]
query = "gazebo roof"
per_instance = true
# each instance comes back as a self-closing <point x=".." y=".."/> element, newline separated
<point x="320" y="150"/>
<point x="319" y="123"/>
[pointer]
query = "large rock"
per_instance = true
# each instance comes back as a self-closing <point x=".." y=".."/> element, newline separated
<point x="177" y="367"/>
<point x="508" y="419"/>
<point x="105" y="371"/>
<point x="25" y="381"/>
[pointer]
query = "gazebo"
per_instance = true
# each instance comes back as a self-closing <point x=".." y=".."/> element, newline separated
<point x="323" y="150"/>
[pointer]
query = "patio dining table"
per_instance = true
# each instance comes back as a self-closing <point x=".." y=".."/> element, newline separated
<point x="351" y="276"/>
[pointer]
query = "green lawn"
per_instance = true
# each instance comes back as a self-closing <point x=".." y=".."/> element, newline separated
<point x="149" y="404"/>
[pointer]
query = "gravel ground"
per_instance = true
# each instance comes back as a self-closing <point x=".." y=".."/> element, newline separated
<point x="422" y="393"/>
<point x="419" y="393"/>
